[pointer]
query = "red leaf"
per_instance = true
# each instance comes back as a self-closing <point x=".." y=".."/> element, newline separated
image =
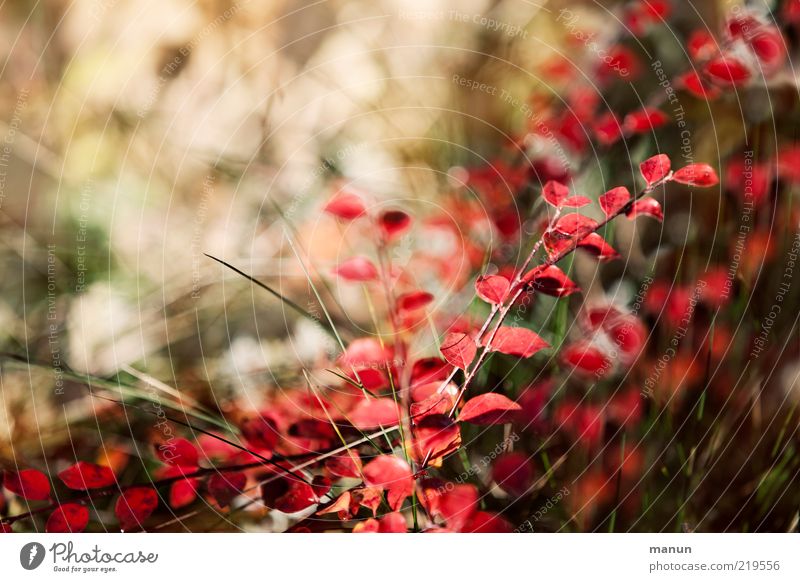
<point x="357" y="269"/>
<point x="517" y="341"/>
<point x="575" y="225"/>
<point x="346" y="464"/>
<point x="414" y="300"/>
<point x="225" y="487"/>
<point x="694" y="83"/>
<point x="728" y="70"/>
<point x="768" y="46"/>
<point x="392" y="474"/>
<point x="321" y="485"/>
<point x="485" y="522"/>
<point x="83" y="475"/>
<point x="435" y="436"/>
<point x="648" y="207"/>
<point x="68" y="518"/>
<point x="346" y="206"/>
<point x="459" y="350"/>
<point x="134" y="506"/>
<point x="608" y="129"/>
<point x="596" y="245"/>
<point x="429" y="370"/>
<point x="513" y="472"/>
<point x="183" y="492"/>
<point x="644" y="120"/>
<point x="260" y="432"/>
<point x="288" y="495"/>
<point x="584" y="357"/>
<point x="655" y="169"/>
<point x="178" y="452"/>
<point x="436" y="403"/>
<point x="551" y="280"/>
<point x="457" y="505"/>
<point x="341" y="506"/>
<point x="393" y="223"/>
<point x="31" y="484"/>
<point x="393" y="523"/>
<point x="367" y="352"/>
<point x="701" y="45"/>
<point x="492" y="288"/>
<point x="576" y="202"/>
<point x="489" y="408"/>
<point x="555" y="193"/>
<point x="700" y="175"/>
<point x="614" y="200"/>
<point x="557" y="244"/>
<point x="374" y="413"/>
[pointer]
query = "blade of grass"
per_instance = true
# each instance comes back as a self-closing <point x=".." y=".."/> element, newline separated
<point x="294" y="306"/>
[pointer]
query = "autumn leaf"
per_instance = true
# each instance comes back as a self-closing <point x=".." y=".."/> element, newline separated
<point x="459" y="350"/>
<point x="489" y="408"/>
<point x="134" y="506"/>
<point x="83" y="475"/>
<point x="30" y="484"/>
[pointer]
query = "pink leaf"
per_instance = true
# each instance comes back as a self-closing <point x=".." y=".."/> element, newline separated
<point x="374" y="413"/>
<point x="489" y="408"/>
<point x="492" y="288"/>
<point x="68" y="518"/>
<point x="357" y="269"/>
<point x="700" y="175"/>
<point x="459" y="350"/>
<point x="615" y="200"/>
<point x="655" y="169"/>
<point x="414" y="300"/>
<point x="83" y="475"/>
<point x="517" y="341"/>
<point x="134" y="506"/>
<point x="647" y="207"/>
<point x="31" y="484"/>
<point x="346" y="206"/>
